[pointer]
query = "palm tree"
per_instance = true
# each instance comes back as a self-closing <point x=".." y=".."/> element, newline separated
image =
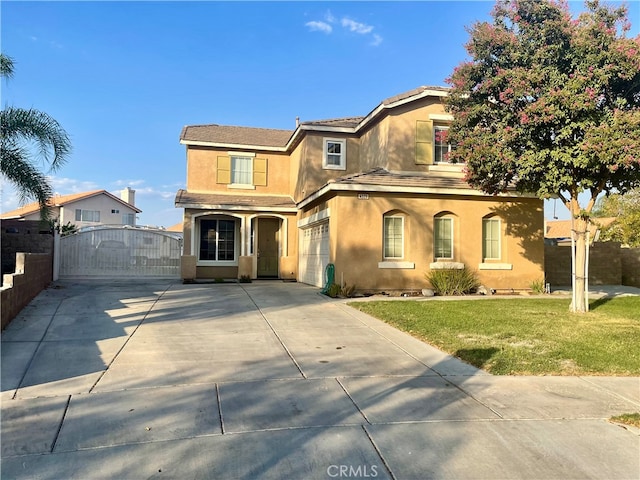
<point x="20" y="130"/>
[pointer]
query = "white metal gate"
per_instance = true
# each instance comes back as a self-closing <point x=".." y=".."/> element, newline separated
<point x="120" y="251"/>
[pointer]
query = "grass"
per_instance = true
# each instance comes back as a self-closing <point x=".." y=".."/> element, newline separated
<point x="632" y="419"/>
<point x="525" y="336"/>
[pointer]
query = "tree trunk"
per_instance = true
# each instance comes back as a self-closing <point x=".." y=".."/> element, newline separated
<point x="579" y="304"/>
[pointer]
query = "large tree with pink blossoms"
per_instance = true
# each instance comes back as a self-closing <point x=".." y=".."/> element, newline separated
<point x="550" y="104"/>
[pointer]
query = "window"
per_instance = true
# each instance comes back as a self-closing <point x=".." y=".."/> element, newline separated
<point x="442" y="148"/>
<point x="87" y="215"/>
<point x="443" y="237"/>
<point x="242" y="170"/>
<point x="114" y="210"/>
<point x="393" y="237"/>
<point x="129" y="219"/>
<point x="491" y="238"/>
<point x="334" y="154"/>
<point x="217" y="240"/>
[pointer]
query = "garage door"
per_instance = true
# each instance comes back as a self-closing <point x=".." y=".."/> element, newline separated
<point x="314" y="254"/>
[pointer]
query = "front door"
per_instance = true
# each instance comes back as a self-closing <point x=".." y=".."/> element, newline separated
<point x="268" y="247"/>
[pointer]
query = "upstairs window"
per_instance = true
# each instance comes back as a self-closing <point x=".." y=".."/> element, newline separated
<point x="129" y="219"/>
<point x="334" y="154"/>
<point x="441" y="145"/>
<point x="87" y="215"/>
<point x="241" y="170"/>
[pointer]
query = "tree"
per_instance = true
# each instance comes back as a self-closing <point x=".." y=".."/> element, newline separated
<point x="20" y="130"/>
<point x="550" y="105"/>
<point x="626" y="209"/>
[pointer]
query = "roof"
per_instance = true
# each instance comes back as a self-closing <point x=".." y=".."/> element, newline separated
<point x="280" y="140"/>
<point x="178" y="227"/>
<point x="380" y="180"/>
<point x="349" y="122"/>
<point x="383" y="177"/>
<point x="231" y="135"/>
<point x="60" y="201"/>
<point x="221" y="201"/>
<point x="562" y="228"/>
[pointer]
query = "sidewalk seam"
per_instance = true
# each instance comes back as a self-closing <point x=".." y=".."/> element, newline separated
<point x="102" y="374"/>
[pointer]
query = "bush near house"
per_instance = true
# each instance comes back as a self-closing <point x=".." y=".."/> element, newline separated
<point x="453" y="281"/>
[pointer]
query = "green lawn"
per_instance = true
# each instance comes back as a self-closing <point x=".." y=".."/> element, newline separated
<point x="524" y="336"/>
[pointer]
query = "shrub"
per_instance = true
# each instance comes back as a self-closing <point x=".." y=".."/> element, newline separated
<point x="334" y="290"/>
<point x="245" y="279"/>
<point x="453" y="281"/>
<point x="538" y="287"/>
<point x="347" y="290"/>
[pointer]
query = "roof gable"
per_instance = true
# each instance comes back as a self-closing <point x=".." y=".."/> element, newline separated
<point x="62" y="201"/>
<point x="282" y="140"/>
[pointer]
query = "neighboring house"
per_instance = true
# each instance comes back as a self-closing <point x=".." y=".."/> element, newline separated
<point x="87" y="209"/>
<point x="373" y="195"/>
<point x="558" y="232"/>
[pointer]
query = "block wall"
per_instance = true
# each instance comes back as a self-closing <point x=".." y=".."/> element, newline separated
<point x="605" y="265"/>
<point x="28" y="236"/>
<point x="630" y="260"/>
<point x="34" y="271"/>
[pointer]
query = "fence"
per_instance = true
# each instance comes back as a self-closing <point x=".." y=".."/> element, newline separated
<point x="34" y="272"/>
<point x="609" y="264"/>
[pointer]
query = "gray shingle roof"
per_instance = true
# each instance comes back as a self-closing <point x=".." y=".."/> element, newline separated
<point x="380" y="176"/>
<point x="232" y="135"/>
<point x="184" y="198"/>
<point x="268" y="137"/>
<point x="350" y="122"/>
<point x="411" y="93"/>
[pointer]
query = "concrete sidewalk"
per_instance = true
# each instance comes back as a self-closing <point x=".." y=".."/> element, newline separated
<point x="156" y="379"/>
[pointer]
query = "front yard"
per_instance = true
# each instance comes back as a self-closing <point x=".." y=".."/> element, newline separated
<point x="524" y="336"/>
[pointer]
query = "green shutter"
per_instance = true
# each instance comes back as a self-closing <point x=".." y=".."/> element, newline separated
<point x="260" y="172"/>
<point x="223" y="171"/>
<point x="424" y="142"/>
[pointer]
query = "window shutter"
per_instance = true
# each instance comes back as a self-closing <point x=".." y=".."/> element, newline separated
<point x="424" y="142"/>
<point x="223" y="172"/>
<point x="260" y="172"/>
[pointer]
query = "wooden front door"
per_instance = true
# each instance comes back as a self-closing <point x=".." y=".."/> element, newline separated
<point x="268" y="247"/>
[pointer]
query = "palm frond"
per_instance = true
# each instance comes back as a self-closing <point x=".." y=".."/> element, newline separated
<point x="20" y="125"/>
<point x="30" y="182"/>
<point x="6" y="66"/>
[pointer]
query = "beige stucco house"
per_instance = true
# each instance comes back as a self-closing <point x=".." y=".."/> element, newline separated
<point x="85" y="209"/>
<point x="372" y="195"/>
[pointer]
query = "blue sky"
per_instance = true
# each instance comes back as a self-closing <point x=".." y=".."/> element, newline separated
<point x="123" y="78"/>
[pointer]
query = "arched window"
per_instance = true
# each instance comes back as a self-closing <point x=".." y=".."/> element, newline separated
<point x="443" y="229"/>
<point x="393" y="235"/>
<point x="491" y="236"/>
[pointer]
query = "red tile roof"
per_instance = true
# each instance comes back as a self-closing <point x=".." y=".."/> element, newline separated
<point x="59" y="201"/>
<point x="562" y="228"/>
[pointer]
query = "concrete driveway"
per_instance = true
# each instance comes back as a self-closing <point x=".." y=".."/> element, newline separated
<point x="155" y="379"/>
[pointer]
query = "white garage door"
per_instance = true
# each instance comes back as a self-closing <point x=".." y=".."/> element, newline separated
<point x="314" y="254"/>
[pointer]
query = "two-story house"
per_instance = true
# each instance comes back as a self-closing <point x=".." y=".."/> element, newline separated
<point x="86" y="209"/>
<point x="375" y="196"/>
